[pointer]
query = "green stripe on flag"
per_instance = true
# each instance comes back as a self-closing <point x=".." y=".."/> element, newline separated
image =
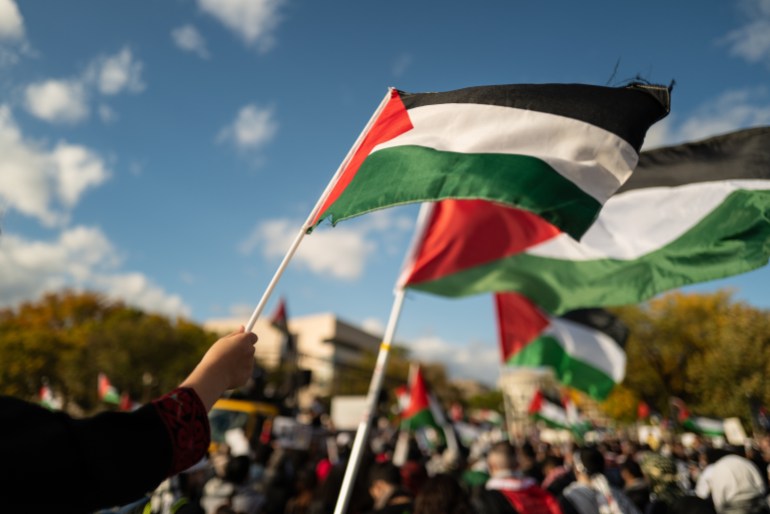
<point x="731" y="239"/>
<point x="546" y="351"/>
<point x="427" y="174"/>
<point x="421" y="419"/>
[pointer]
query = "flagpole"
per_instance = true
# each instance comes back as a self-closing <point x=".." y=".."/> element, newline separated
<point x="298" y="238"/>
<point x="362" y="434"/>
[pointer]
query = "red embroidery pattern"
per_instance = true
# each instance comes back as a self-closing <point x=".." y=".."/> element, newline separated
<point x="187" y="422"/>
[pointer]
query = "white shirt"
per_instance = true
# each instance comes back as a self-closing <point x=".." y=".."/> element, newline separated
<point x="730" y="481"/>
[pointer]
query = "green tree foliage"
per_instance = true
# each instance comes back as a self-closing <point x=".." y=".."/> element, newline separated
<point x="69" y="338"/>
<point x="492" y="400"/>
<point x="706" y="349"/>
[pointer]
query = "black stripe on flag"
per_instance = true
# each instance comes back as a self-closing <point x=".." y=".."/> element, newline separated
<point x="625" y="111"/>
<point x="601" y="320"/>
<point x="744" y="154"/>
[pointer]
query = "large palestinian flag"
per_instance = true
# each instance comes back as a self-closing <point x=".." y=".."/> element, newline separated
<point x="584" y="348"/>
<point x="690" y="213"/>
<point x="558" y="150"/>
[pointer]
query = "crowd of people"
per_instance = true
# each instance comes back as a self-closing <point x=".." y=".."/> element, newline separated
<point x="614" y="476"/>
<point x="156" y="457"/>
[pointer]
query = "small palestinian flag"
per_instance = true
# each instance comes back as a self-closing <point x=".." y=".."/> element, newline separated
<point x="584" y="348"/>
<point x="107" y="393"/>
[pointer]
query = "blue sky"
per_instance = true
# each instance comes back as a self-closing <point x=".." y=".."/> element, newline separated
<point x="166" y="153"/>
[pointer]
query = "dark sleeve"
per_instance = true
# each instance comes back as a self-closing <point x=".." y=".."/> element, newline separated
<point x="53" y="460"/>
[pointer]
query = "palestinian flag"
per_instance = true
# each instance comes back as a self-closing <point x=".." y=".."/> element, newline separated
<point x="558" y="150"/>
<point x="107" y="393"/>
<point x="578" y="424"/>
<point x="584" y="348"/>
<point x="280" y="320"/>
<point x="418" y="413"/>
<point x="698" y="424"/>
<point x="549" y="411"/>
<point x="48" y="399"/>
<point x="690" y="213"/>
<point x="126" y="403"/>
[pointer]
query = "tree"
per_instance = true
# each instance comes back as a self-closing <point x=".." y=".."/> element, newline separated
<point x="704" y="348"/>
<point x="69" y="338"/>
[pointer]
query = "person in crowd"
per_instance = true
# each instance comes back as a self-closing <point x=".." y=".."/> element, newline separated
<point x="591" y="493"/>
<point x="413" y="475"/>
<point x="115" y="458"/>
<point x="528" y="464"/>
<point x="557" y="475"/>
<point x="634" y="484"/>
<point x="661" y="474"/>
<point x="442" y="494"/>
<point x="667" y="496"/>
<point x="733" y="483"/>
<point x="179" y="494"/>
<point x="233" y="489"/>
<point x="387" y="493"/>
<point x="507" y="491"/>
<point x="304" y="488"/>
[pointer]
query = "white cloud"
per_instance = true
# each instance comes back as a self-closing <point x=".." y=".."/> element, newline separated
<point x="189" y="39"/>
<point x="733" y="110"/>
<point x="57" y="101"/>
<point x="341" y="252"/>
<point x="41" y="183"/>
<point x="66" y="100"/>
<point x="117" y="73"/>
<point x="78" y="169"/>
<point x="752" y="41"/>
<point x="253" y="20"/>
<point x="475" y="360"/>
<point x="252" y="128"/>
<point x="81" y="258"/>
<point x="374" y="326"/>
<point x="11" y="21"/>
<point x="137" y="289"/>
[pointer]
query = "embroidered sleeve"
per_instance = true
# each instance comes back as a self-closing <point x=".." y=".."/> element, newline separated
<point x="187" y="423"/>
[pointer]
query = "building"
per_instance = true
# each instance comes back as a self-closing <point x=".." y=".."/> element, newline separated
<point x="519" y="385"/>
<point x="328" y="347"/>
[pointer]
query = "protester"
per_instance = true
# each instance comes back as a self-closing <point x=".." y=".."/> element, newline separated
<point x="442" y="494"/>
<point x="734" y="484"/>
<point x="304" y="487"/>
<point x="591" y="493"/>
<point x="664" y="487"/>
<point x="507" y="491"/>
<point x="387" y="493"/>
<point x="114" y="458"/>
<point x="233" y="489"/>
<point x="557" y="475"/>
<point x="634" y="484"/>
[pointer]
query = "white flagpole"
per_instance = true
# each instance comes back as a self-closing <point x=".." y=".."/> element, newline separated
<point x="362" y="434"/>
<point x="298" y="239"/>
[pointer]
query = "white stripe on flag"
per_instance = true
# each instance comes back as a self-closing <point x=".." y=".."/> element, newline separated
<point x="596" y="160"/>
<point x="640" y="221"/>
<point x="591" y="346"/>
